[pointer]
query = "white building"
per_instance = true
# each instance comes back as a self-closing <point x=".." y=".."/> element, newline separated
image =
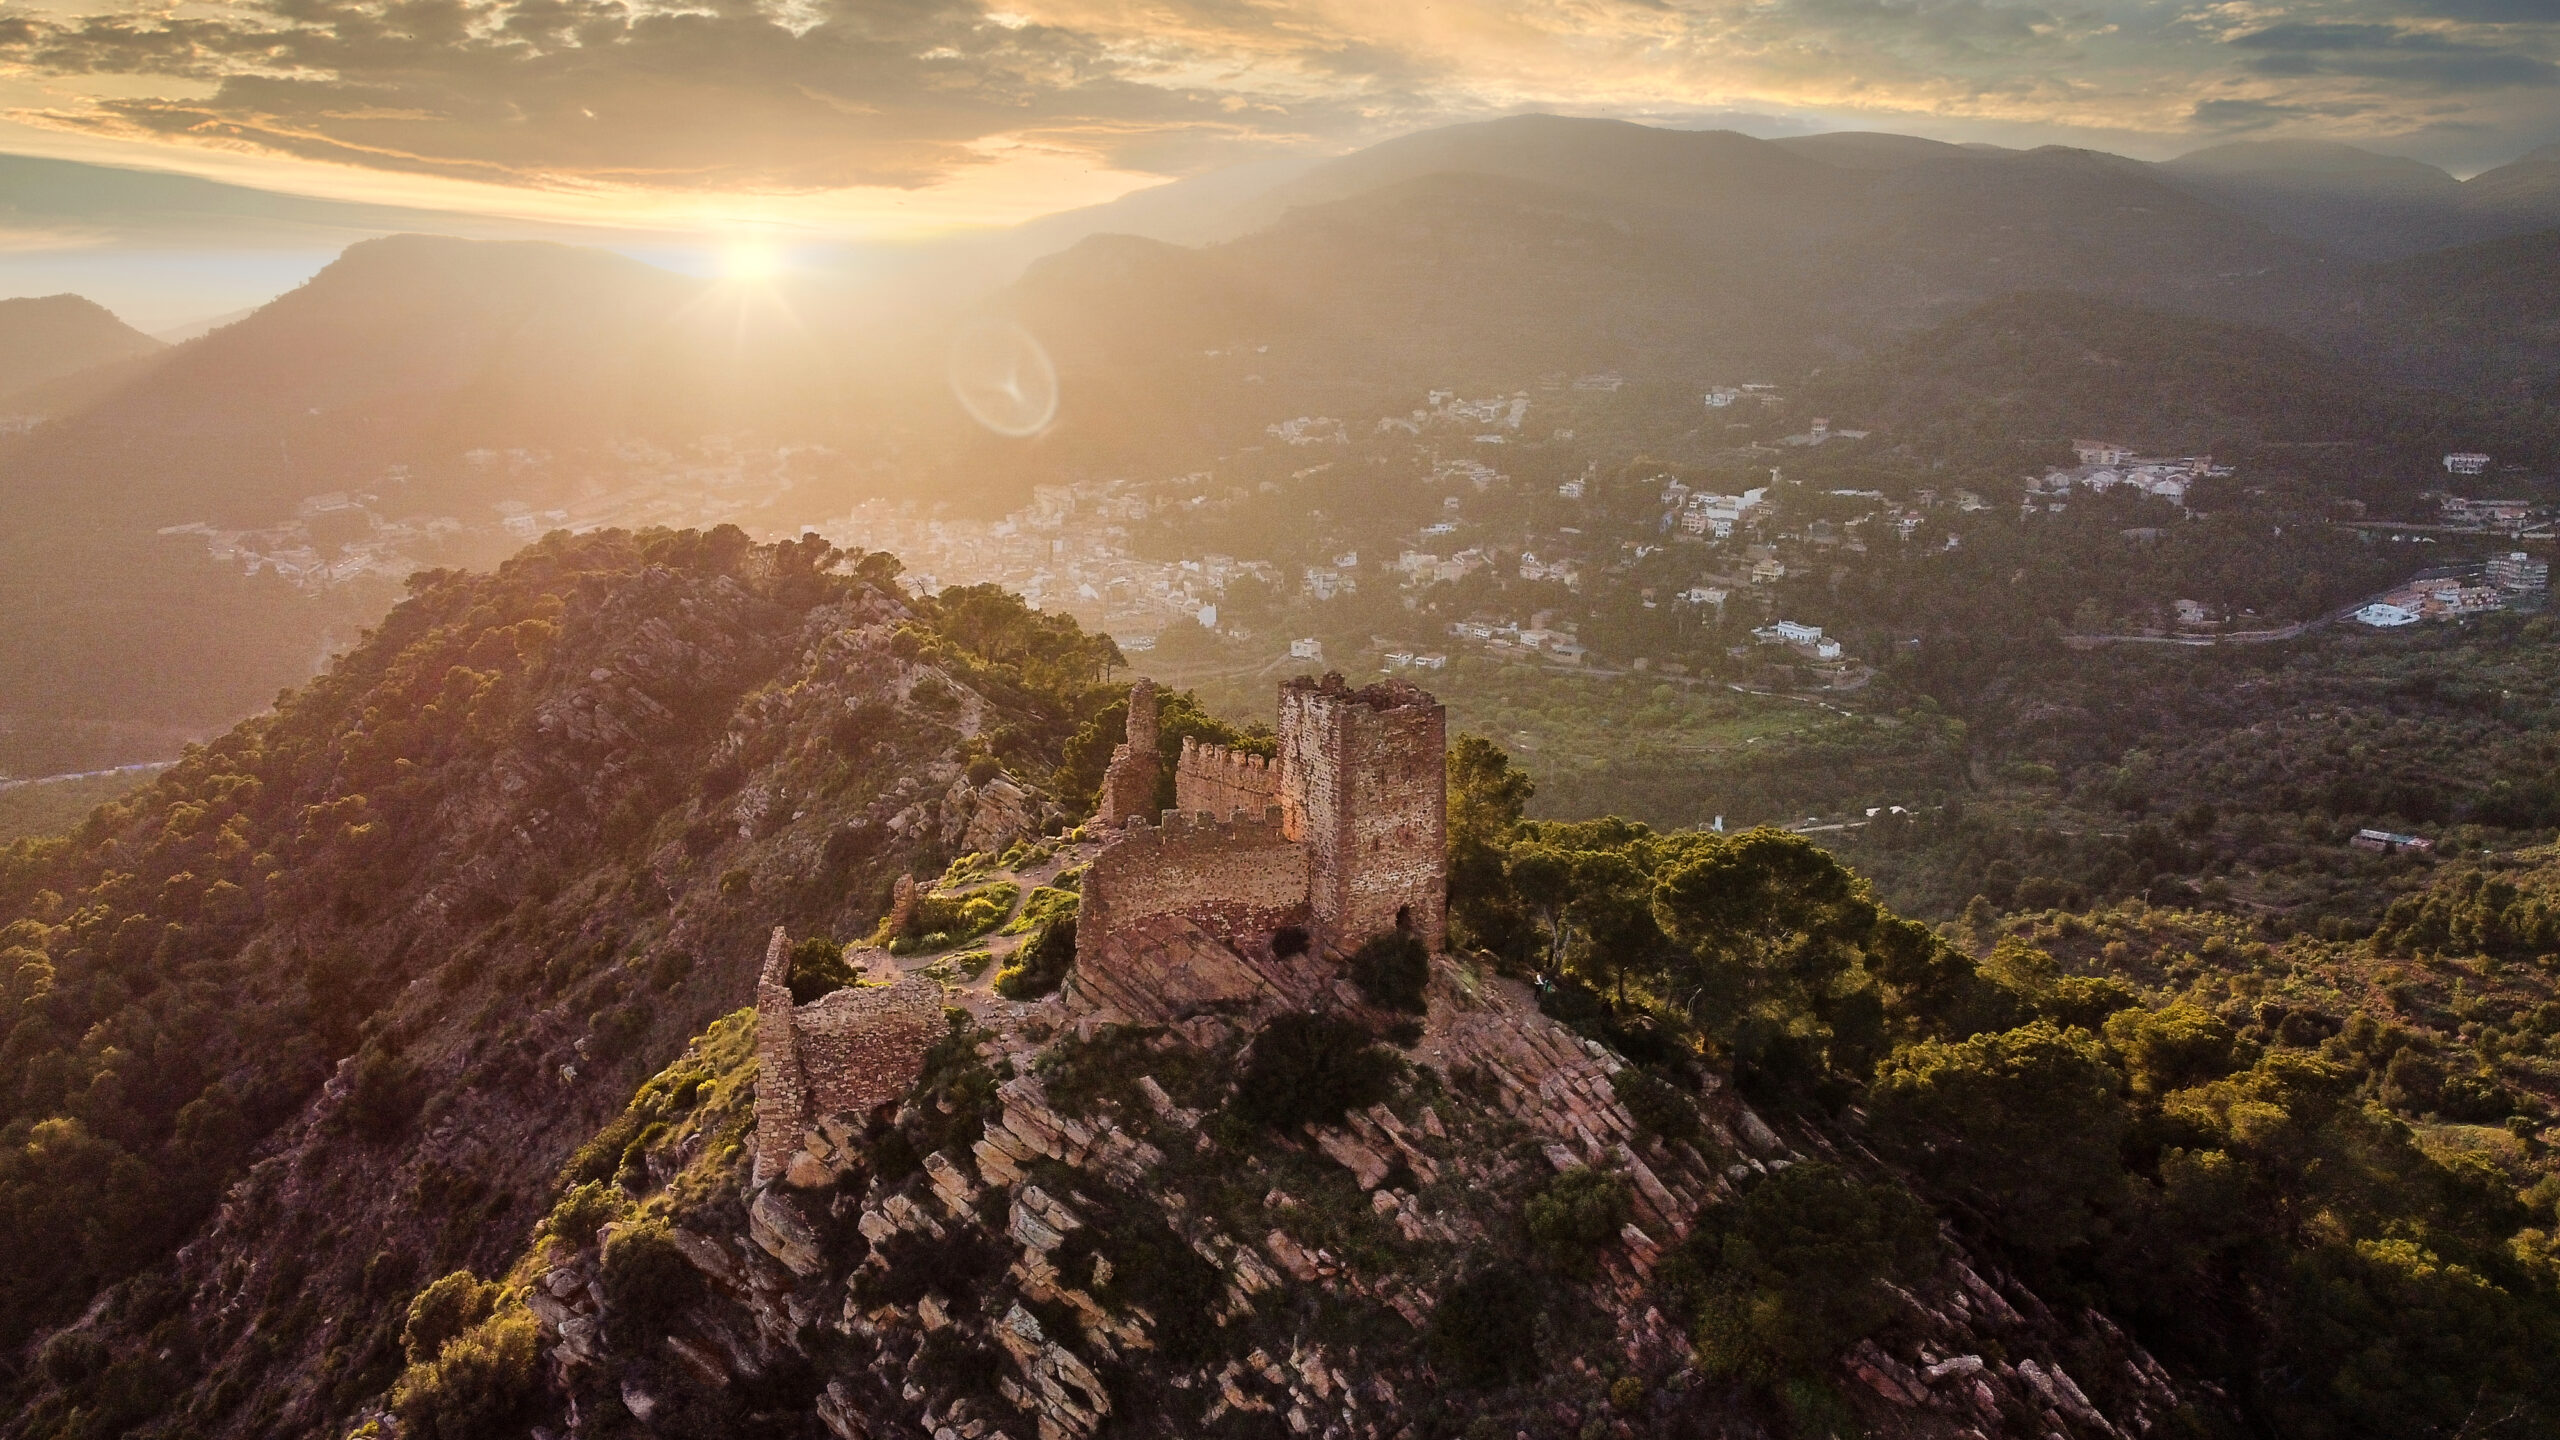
<point x="1307" y="649"/>
<point x="2382" y="615"/>
<point x="2465" y="462"/>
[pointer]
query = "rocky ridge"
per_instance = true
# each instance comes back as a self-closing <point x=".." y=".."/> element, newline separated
<point x="984" y="1287"/>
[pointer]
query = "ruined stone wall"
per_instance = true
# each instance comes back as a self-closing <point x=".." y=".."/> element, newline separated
<point x="1214" y="780"/>
<point x="782" y="1103"/>
<point x="845" y="1053"/>
<point x="1363" y="786"/>
<point x="1238" y="879"/>
<point x="863" y="1046"/>
<point x="1129" y="785"/>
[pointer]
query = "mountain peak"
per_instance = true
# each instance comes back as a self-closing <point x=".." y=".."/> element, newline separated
<point x="50" y="337"/>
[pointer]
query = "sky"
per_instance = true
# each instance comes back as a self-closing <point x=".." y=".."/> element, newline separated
<point x="898" y="118"/>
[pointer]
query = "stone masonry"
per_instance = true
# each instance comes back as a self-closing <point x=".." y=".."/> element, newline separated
<point x="1343" y="838"/>
<point x="1129" y="785"/>
<point x="848" y="1052"/>
<point x="1364" y="786"/>
<point x="1239" y="879"/>
<point x="1214" y="780"/>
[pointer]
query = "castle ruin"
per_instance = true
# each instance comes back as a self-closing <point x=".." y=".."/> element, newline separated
<point x="1342" y="838"/>
<point x="1129" y="785"/>
<point x="848" y="1052"/>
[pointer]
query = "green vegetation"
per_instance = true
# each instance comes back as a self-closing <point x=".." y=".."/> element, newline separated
<point x="818" y="967"/>
<point x="1392" y="969"/>
<point x="1041" y="965"/>
<point x="940" y="921"/>
<point x="1794" y="1272"/>
<point x="1309" y="1070"/>
<point x="1575" y="1216"/>
<point x="2184" y="1124"/>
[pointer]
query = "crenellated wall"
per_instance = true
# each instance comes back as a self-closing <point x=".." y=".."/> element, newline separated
<point x="848" y="1052"/>
<point x="1214" y="780"/>
<point x="1240" y="879"/>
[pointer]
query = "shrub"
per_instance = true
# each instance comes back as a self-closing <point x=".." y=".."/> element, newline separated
<point x="1656" y="1105"/>
<point x="1310" y="1069"/>
<point x="443" y="1311"/>
<point x="941" y="920"/>
<point x="818" y="968"/>
<point x="1041" y="965"/>
<point x="1576" y="1216"/>
<point x="73" y="1356"/>
<point x="382" y="1093"/>
<point x="480" y="1385"/>
<point x="1158" y="1271"/>
<point x="618" y="1031"/>
<point x="587" y="1208"/>
<point x="670" y="969"/>
<point x="1485" y="1332"/>
<point x="1779" y="1282"/>
<point x="1392" y="969"/>
<point x="646" y="1279"/>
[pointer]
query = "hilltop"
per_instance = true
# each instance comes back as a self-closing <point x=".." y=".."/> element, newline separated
<point x="58" y="337"/>
<point x="382" y="1069"/>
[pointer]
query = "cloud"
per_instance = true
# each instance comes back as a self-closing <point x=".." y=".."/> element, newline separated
<point x="822" y="95"/>
<point x="2410" y="57"/>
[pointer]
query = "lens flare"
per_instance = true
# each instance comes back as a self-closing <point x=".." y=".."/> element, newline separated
<point x="1002" y="376"/>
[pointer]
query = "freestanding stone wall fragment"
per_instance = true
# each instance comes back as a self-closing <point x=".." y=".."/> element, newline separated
<point x="848" y="1052"/>
<point x="1129" y="785"/>
<point x="1364" y="786"/>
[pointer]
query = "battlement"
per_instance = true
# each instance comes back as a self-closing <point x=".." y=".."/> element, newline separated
<point x="1222" y="781"/>
<point x="848" y="1052"/>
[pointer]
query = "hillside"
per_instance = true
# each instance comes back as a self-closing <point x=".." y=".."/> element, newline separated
<point x="2373" y="207"/>
<point x="380" y="1069"/>
<point x="2010" y="382"/>
<point x="1534" y="243"/>
<point x="58" y="337"/>
<point x="385" y="376"/>
<point x="2483" y="318"/>
<point x="2524" y="192"/>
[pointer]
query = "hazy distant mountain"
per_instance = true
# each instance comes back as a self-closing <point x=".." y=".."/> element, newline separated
<point x="413" y="349"/>
<point x="2372" y="206"/>
<point x="2524" y="193"/>
<point x="407" y="352"/>
<point x="1490" y="253"/>
<point x="47" y="339"/>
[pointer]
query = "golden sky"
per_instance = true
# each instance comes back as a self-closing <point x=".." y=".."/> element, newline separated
<point x="884" y="118"/>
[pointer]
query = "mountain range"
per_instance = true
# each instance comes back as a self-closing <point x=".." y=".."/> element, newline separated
<point x="1483" y="255"/>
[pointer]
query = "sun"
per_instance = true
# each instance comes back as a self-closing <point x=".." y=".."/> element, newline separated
<point x="750" y="260"/>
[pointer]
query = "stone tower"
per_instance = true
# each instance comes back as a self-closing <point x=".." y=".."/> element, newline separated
<point x="1129" y="786"/>
<point x="1364" y="787"/>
